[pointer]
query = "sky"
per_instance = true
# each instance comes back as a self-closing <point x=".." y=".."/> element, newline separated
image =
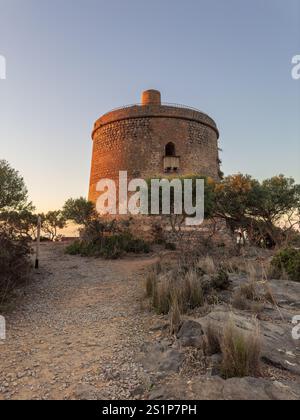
<point x="70" y="61"/>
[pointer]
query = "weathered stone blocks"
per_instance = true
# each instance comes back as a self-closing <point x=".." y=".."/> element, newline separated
<point x="134" y="139"/>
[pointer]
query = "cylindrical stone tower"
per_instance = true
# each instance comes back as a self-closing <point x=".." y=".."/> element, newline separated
<point x="153" y="139"/>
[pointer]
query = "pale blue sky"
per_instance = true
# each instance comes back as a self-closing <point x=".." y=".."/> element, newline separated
<point x="69" y="61"/>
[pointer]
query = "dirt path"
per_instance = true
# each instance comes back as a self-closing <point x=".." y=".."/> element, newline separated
<point x="76" y="333"/>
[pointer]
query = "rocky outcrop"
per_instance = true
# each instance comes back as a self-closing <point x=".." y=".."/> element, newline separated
<point x="202" y="388"/>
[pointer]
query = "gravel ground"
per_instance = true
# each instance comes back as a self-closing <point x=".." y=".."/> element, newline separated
<point x="76" y="333"/>
<point x="83" y="331"/>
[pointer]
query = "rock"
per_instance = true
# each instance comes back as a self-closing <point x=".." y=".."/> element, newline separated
<point x="215" y="364"/>
<point x="236" y="389"/>
<point x="157" y="358"/>
<point x="278" y="347"/>
<point x="286" y="293"/>
<point x="191" y="334"/>
<point x="171" y="361"/>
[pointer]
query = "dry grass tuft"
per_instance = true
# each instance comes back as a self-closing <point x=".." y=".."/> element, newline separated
<point x="251" y="271"/>
<point x="192" y="295"/>
<point x="239" y="301"/>
<point x="207" y="265"/>
<point x="250" y="291"/>
<point x="161" y="299"/>
<point x="241" y="352"/>
<point x="234" y="265"/>
<point x="150" y="283"/>
<point x="175" y="315"/>
<point x="213" y="340"/>
<point x="179" y="286"/>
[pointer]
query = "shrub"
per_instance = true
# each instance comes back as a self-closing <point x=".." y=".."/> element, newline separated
<point x="80" y="211"/>
<point x="110" y="247"/>
<point x="75" y="248"/>
<point x="221" y="280"/>
<point x="52" y="222"/>
<point x="136" y="246"/>
<point x="241" y="352"/>
<point x="286" y="261"/>
<point x="15" y="264"/>
<point x="170" y="246"/>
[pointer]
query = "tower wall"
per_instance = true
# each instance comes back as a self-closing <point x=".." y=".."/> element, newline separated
<point x="134" y="139"/>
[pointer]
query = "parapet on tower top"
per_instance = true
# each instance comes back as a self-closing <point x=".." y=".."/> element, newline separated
<point x="151" y="97"/>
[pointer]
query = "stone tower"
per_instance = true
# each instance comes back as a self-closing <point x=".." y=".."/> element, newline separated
<point x="151" y="139"/>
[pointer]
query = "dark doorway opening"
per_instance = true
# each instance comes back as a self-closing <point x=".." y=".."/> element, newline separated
<point x="170" y="149"/>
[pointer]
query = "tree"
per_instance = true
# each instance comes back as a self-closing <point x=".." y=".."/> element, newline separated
<point x="79" y="211"/>
<point x="23" y="223"/>
<point x="176" y="220"/>
<point x="52" y="222"/>
<point x="13" y="192"/>
<point x="15" y="263"/>
<point x="259" y="208"/>
<point x="233" y="199"/>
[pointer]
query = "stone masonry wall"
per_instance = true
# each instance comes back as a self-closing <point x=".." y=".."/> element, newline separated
<point x="137" y="143"/>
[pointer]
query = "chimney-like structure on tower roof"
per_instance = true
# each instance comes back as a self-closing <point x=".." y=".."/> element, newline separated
<point x="151" y="97"/>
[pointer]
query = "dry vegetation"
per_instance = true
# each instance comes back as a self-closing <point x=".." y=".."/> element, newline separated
<point x="15" y="266"/>
<point x="187" y="286"/>
<point x="241" y="352"/>
<point x="190" y="286"/>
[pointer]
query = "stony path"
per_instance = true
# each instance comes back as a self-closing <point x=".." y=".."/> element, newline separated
<point x="77" y="331"/>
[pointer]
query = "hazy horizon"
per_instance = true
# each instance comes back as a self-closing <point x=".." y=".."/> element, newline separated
<point x="69" y="62"/>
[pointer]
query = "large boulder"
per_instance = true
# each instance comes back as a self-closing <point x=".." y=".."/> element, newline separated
<point x="191" y="334"/>
<point x="279" y="349"/>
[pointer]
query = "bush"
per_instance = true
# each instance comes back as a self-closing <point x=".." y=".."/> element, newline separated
<point x="110" y="247"/>
<point x="286" y="261"/>
<point x="170" y="246"/>
<point x="15" y="265"/>
<point x="75" y="248"/>
<point x="221" y="280"/>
